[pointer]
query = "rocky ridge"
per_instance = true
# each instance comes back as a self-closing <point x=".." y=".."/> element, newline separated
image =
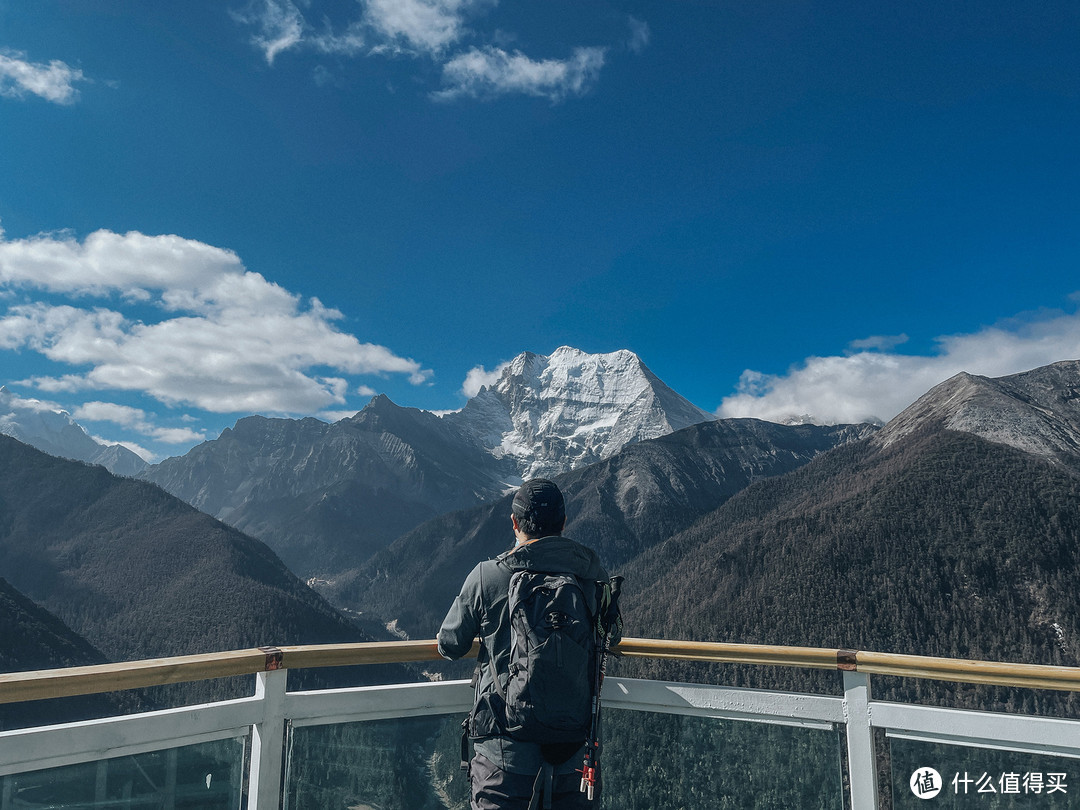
<point x="1035" y="411"/>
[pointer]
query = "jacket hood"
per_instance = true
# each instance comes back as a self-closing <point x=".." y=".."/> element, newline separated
<point x="555" y="554"/>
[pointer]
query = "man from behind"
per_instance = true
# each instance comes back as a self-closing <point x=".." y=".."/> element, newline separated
<point x="526" y="725"/>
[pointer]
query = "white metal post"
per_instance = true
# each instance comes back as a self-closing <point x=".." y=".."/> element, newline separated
<point x="268" y="742"/>
<point x="862" y="764"/>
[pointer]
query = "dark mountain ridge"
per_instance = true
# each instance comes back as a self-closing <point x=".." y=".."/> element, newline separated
<point x="620" y="507"/>
<point x="326" y="497"/>
<point x="140" y="574"/>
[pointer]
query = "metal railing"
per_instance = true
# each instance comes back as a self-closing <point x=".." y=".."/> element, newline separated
<point x="262" y="717"/>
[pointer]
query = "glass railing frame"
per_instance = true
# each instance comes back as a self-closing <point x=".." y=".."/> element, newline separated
<point x="265" y="715"/>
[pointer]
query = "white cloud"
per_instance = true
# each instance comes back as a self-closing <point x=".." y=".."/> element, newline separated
<point x="434" y="29"/>
<point x="11" y="400"/>
<point x="54" y="81"/>
<point x="479" y="376"/>
<point x="180" y="435"/>
<point x="350" y="42"/>
<point x="132" y="264"/>
<point x="419" y="26"/>
<point x="881" y="343"/>
<point x="639" y="35"/>
<point x="869" y="385"/>
<point x="489" y="72"/>
<point x="426" y="26"/>
<point x="279" y="26"/>
<point x="135" y="419"/>
<point x="334" y="416"/>
<point x="228" y="339"/>
<point x="110" y="412"/>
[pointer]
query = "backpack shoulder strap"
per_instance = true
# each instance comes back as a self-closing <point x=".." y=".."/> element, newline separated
<point x="489" y="659"/>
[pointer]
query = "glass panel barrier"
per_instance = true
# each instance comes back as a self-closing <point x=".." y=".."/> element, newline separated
<point x="959" y="776"/>
<point x="656" y="761"/>
<point x="207" y="776"/>
<point x="649" y="761"/>
<point x="403" y="764"/>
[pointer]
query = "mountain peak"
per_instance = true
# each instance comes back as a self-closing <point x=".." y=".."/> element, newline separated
<point x="1036" y="411"/>
<point x="554" y="413"/>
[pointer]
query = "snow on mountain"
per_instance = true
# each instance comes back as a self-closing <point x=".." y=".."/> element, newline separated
<point x="556" y="413"/>
<point x="54" y="432"/>
<point x="1035" y="411"/>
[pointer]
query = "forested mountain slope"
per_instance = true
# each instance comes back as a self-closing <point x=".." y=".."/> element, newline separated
<point x="33" y="638"/>
<point x="941" y="544"/>
<point x="140" y="574"/>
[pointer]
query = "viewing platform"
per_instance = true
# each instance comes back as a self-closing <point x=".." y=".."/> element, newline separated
<point x="666" y="744"/>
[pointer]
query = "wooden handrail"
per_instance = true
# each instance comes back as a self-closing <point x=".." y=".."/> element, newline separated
<point x="715" y="652"/>
<point x="1030" y="676"/>
<point x="23" y="686"/>
<point x="16" y="687"/>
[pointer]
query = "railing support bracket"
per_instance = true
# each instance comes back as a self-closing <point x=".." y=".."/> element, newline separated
<point x="862" y="764"/>
<point x="268" y="742"/>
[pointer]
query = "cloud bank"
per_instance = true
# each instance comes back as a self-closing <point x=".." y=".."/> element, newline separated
<point x="54" y="81"/>
<point x="444" y="31"/>
<point x="180" y="321"/>
<point x="871" y="385"/>
<point x="478" y="377"/>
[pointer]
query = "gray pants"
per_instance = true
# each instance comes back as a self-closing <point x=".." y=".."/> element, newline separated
<point x="496" y="789"/>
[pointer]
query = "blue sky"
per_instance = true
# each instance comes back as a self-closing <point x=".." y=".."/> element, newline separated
<point x="211" y="209"/>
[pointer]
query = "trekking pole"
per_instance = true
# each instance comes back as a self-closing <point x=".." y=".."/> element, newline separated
<point x="590" y="771"/>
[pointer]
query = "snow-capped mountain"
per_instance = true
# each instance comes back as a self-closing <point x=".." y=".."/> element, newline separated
<point x="327" y="496"/>
<point x="56" y="433"/>
<point x="553" y="414"/>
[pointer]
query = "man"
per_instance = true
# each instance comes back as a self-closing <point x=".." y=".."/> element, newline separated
<point x="504" y="771"/>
